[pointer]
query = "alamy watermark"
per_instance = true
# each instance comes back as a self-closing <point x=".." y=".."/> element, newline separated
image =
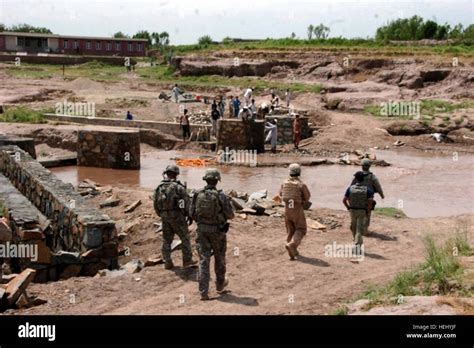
<point x="349" y="251"/>
<point x="22" y="251"/>
<point x="246" y="157"/>
<point x="75" y="109"/>
<point x="401" y="108"/>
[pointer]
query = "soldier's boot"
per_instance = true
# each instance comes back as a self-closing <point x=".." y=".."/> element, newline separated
<point x="291" y="250"/>
<point x="189" y="264"/>
<point x="205" y="297"/>
<point x="220" y="287"/>
<point x="169" y="265"/>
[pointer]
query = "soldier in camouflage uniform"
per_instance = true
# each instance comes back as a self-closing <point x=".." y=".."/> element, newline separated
<point x="171" y="203"/>
<point x="211" y="209"/>
<point x="358" y="199"/>
<point x="296" y="195"/>
<point x="371" y="181"/>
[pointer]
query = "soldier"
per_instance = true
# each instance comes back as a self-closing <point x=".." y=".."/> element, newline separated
<point x="358" y="199"/>
<point x="211" y="209"/>
<point x="296" y="195"/>
<point x="171" y="203"/>
<point x="370" y="180"/>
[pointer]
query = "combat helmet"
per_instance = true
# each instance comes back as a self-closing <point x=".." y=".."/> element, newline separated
<point x="366" y="163"/>
<point x="212" y="174"/>
<point x="172" y="168"/>
<point x="295" y="169"/>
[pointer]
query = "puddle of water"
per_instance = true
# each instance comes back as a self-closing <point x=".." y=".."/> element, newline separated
<point x="423" y="186"/>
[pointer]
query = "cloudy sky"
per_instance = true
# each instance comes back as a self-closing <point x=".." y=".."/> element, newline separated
<point x="187" y="20"/>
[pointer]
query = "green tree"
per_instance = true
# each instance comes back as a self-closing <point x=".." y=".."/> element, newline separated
<point x="310" y="31"/>
<point x="120" y="35"/>
<point x="143" y="34"/>
<point x="321" y="31"/>
<point x="26" y="28"/>
<point x="468" y="33"/>
<point x="456" y="32"/>
<point x="205" y="40"/>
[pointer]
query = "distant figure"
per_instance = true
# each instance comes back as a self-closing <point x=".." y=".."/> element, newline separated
<point x="176" y="92"/>
<point x="184" y="122"/>
<point x="236" y="104"/>
<point x="215" y="115"/>
<point x="296" y="131"/>
<point x="248" y="96"/>
<point x="231" y="106"/>
<point x="129" y="116"/>
<point x="272" y="134"/>
<point x="253" y="108"/>
<point x="221" y="106"/>
<point x="275" y="100"/>
<point x="288" y="98"/>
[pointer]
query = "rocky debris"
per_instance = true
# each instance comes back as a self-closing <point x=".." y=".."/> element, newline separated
<point x="14" y="295"/>
<point x="165" y="97"/>
<point x="112" y="201"/>
<point x="176" y="245"/>
<point x="153" y="261"/>
<point x="133" y="266"/>
<point x="315" y="225"/>
<point x="132" y="207"/>
<point x="88" y="188"/>
<point x="399" y="143"/>
<point x="109" y="273"/>
<point x="441" y="138"/>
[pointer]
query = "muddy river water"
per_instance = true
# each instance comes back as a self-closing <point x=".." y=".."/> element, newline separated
<point x="422" y="185"/>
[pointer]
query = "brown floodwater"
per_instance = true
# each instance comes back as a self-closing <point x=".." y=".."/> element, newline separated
<point x="422" y="185"/>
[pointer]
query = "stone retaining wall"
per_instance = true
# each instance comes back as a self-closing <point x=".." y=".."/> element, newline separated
<point x="237" y="134"/>
<point x="109" y="148"/>
<point x="26" y="144"/>
<point x="82" y="240"/>
<point x="165" y="127"/>
<point x="285" y="128"/>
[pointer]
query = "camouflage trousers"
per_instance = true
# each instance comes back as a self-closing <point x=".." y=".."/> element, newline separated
<point x="175" y="223"/>
<point x="358" y="225"/>
<point x="211" y="241"/>
<point x="367" y="223"/>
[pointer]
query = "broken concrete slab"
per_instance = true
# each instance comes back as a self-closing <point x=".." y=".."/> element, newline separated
<point x="18" y="285"/>
<point x="238" y="203"/>
<point x="153" y="261"/>
<point x="110" y="203"/>
<point x="258" y="195"/>
<point x="259" y="209"/>
<point x="132" y="207"/>
<point x="133" y="266"/>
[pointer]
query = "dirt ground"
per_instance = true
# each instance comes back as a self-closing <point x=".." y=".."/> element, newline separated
<point x="262" y="279"/>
